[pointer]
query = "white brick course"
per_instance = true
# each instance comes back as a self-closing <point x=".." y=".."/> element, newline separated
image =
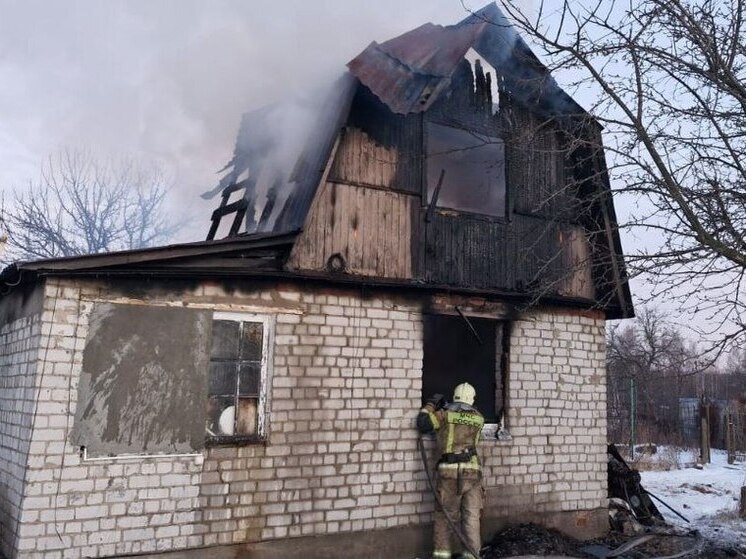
<point x="342" y="452"/>
<point x="19" y="355"/>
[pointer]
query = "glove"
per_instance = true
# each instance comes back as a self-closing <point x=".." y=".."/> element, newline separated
<point x="437" y="401"/>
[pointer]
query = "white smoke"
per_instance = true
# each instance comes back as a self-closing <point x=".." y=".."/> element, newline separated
<point x="168" y="81"/>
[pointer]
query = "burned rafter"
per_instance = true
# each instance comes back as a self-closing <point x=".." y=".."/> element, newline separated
<point x="269" y="205"/>
<point x="239" y="207"/>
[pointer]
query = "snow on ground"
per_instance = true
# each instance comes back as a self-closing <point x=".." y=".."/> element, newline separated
<point x="708" y="497"/>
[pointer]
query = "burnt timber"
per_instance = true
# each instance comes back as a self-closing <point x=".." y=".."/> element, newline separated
<point x="360" y="189"/>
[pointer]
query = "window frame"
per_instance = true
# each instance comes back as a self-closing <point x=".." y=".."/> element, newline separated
<point x="265" y="380"/>
<point x="497" y="429"/>
<point x="426" y="190"/>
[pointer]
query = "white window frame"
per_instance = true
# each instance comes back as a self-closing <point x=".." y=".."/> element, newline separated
<point x="265" y="378"/>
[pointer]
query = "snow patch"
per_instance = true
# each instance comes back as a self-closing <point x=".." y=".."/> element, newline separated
<point x="708" y="497"/>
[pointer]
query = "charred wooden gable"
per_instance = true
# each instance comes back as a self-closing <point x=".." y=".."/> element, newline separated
<point x="455" y="161"/>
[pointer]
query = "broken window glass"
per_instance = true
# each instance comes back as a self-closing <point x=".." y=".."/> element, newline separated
<point x="235" y="380"/>
<point x="473" y="167"/>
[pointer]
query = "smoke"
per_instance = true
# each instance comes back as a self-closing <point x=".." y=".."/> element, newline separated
<point x="167" y="82"/>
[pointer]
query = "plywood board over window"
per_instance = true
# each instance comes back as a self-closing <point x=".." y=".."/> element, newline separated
<point x="143" y="385"/>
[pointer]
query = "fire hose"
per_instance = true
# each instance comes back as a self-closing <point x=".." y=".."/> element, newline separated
<point x="451" y="523"/>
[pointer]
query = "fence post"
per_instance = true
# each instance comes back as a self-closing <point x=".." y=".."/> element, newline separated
<point x="632" y="417"/>
<point x="730" y="438"/>
<point x="704" y="433"/>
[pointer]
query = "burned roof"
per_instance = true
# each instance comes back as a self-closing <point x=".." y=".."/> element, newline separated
<point x="278" y="161"/>
<point x="281" y="150"/>
<point x="409" y="73"/>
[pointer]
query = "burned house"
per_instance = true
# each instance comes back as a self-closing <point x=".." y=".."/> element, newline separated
<point x="441" y="214"/>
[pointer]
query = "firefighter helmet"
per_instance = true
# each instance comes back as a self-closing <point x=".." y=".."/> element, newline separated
<point x="464" y="393"/>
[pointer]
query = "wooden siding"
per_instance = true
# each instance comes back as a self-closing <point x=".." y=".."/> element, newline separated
<point x="368" y="211"/>
<point x="468" y="251"/>
<point x="360" y="160"/>
<point x="553" y="258"/>
<point x="379" y="148"/>
<point x="576" y="263"/>
<point x="371" y="229"/>
<point x="536" y="172"/>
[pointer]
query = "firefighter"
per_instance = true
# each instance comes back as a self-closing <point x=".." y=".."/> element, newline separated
<point x="459" y="477"/>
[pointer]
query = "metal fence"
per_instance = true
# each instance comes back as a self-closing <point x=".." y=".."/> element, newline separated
<point x="663" y="421"/>
<point x="692" y="422"/>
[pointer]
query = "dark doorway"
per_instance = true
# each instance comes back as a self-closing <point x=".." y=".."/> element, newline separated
<point x="452" y="355"/>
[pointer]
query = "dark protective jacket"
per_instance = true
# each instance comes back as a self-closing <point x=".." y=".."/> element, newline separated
<point x="458" y="427"/>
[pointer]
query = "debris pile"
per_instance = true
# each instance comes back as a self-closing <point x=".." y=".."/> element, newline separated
<point x="625" y="490"/>
<point x="530" y="539"/>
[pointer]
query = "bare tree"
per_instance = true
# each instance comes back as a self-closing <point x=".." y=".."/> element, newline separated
<point x="81" y="205"/>
<point x="670" y="77"/>
<point x="650" y="365"/>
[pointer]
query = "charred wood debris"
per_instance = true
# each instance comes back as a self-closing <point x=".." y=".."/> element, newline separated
<point x="638" y="530"/>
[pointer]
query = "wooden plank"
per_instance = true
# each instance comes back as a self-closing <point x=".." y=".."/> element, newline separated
<point x="361" y="210"/>
<point x="357" y="245"/>
<point x="403" y="240"/>
<point x="343" y="223"/>
<point x="396" y="240"/>
<point x="318" y="236"/>
<point x="390" y="265"/>
<point x="406" y="238"/>
<point x="362" y="161"/>
<point x="370" y="235"/>
<point x="387" y="257"/>
<point x="380" y="236"/>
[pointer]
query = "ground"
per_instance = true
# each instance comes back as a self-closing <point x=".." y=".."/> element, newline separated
<point x="708" y="496"/>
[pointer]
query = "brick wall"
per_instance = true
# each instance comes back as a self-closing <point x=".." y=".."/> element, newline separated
<point x="19" y="349"/>
<point x="557" y="417"/>
<point x="342" y="452"/>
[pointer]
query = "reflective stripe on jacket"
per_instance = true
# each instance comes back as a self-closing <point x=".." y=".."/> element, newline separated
<point x="458" y="428"/>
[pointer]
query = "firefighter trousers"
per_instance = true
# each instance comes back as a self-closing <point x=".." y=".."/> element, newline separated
<point x="462" y="500"/>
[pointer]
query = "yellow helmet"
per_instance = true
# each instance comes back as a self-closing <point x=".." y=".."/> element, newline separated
<point x="464" y="393"/>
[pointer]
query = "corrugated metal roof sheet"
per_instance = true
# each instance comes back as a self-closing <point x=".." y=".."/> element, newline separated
<point x="409" y="72"/>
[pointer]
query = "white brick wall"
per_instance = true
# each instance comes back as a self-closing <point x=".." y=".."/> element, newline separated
<point x="557" y="414"/>
<point x="19" y="347"/>
<point x="342" y="452"/>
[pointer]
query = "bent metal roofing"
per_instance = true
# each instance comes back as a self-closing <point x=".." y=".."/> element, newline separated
<point x="409" y="72"/>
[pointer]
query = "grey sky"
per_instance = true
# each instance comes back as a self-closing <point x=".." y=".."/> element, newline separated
<point x="167" y="80"/>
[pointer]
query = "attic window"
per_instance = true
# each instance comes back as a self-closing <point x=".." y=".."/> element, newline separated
<point x="474" y="165"/>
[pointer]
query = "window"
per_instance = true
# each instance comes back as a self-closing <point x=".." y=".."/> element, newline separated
<point x="237" y="378"/>
<point x="474" y="165"/>
<point x="453" y="354"/>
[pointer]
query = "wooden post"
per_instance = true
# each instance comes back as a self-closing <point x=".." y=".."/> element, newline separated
<point x="730" y="442"/>
<point x="704" y="434"/>
<point x="632" y="417"/>
<point x="742" y="508"/>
